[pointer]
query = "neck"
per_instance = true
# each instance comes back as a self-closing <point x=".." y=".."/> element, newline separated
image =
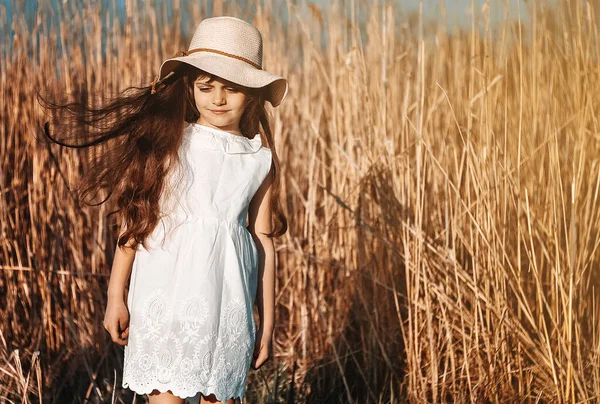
<point x="232" y="128"/>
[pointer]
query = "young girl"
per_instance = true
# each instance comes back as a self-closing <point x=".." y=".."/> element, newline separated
<point x="187" y="166"/>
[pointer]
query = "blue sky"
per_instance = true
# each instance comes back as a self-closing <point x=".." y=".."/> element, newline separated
<point x="458" y="11"/>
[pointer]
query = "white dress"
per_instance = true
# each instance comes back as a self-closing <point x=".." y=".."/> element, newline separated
<point x="191" y="293"/>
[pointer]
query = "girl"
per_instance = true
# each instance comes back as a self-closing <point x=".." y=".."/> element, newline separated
<point x="187" y="166"/>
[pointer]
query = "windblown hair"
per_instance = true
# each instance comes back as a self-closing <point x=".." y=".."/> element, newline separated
<point x="142" y="132"/>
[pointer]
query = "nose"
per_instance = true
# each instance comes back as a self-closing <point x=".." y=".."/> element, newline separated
<point x="218" y="99"/>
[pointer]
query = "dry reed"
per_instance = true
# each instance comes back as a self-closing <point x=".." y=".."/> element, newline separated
<point x="441" y="190"/>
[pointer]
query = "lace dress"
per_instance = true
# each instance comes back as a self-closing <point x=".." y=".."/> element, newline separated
<point x="192" y="291"/>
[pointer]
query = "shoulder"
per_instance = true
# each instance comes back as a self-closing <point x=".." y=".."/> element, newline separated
<point x="265" y="150"/>
<point x="265" y="156"/>
<point x="265" y="153"/>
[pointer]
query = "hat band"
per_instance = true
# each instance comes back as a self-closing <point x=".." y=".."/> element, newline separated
<point x="243" y="59"/>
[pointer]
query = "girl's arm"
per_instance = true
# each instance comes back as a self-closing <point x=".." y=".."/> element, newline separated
<point x="116" y="317"/>
<point x="121" y="269"/>
<point x="259" y="218"/>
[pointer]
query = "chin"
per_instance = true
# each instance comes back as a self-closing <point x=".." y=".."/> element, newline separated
<point x="218" y="120"/>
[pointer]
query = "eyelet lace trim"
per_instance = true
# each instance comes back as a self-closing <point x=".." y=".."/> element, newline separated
<point x="182" y="354"/>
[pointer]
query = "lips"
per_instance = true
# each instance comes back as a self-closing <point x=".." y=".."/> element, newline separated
<point x="218" y="111"/>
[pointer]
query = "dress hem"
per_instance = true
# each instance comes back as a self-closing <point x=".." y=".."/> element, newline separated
<point x="181" y="393"/>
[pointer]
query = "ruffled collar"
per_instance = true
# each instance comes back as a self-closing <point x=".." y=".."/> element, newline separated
<point x="217" y="139"/>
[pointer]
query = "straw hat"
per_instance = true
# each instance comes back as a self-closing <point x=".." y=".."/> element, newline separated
<point x="229" y="48"/>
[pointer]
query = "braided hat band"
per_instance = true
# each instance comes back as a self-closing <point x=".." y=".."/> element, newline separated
<point x="229" y="48"/>
<point x="184" y="53"/>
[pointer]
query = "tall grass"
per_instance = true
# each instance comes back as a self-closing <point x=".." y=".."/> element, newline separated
<point x="441" y="188"/>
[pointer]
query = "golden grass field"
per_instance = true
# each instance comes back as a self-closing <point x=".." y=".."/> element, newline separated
<point x="441" y="190"/>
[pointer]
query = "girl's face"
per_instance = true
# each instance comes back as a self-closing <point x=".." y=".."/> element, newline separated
<point x="220" y="103"/>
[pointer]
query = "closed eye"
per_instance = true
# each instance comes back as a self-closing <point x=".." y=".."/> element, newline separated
<point x="230" y="89"/>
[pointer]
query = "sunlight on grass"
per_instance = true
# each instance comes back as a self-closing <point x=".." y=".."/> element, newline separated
<point x="441" y="191"/>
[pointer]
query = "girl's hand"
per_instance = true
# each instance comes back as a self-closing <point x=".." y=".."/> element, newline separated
<point x="262" y="347"/>
<point x="116" y="321"/>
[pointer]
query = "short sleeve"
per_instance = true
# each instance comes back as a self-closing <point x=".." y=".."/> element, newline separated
<point x="266" y="163"/>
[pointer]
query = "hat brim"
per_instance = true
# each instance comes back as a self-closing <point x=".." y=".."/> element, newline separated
<point x="236" y="71"/>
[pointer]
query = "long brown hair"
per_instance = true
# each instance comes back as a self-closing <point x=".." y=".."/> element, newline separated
<point x="142" y="132"/>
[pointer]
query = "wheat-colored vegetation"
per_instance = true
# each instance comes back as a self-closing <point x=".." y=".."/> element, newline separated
<point x="441" y="189"/>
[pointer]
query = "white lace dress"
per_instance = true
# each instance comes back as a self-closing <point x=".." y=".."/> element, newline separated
<point x="192" y="291"/>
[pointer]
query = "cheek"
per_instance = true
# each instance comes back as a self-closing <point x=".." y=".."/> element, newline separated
<point x="241" y="101"/>
<point x="199" y="98"/>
